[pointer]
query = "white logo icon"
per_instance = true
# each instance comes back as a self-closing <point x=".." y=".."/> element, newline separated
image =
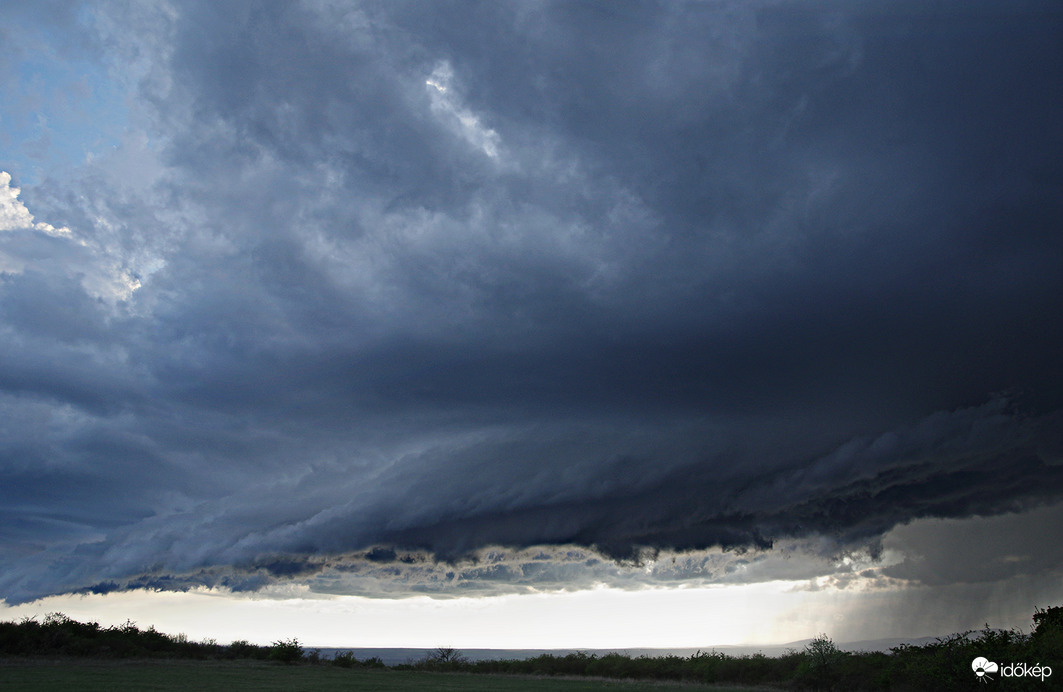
<point x="982" y="667"/>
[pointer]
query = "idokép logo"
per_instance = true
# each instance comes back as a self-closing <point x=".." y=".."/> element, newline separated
<point x="982" y="667"/>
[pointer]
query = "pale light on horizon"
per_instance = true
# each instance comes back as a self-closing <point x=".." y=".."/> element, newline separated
<point x="752" y="614"/>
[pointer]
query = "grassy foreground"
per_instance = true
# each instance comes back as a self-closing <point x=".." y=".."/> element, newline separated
<point x="88" y="675"/>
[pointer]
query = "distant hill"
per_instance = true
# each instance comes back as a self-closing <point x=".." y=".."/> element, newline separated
<point x="396" y="656"/>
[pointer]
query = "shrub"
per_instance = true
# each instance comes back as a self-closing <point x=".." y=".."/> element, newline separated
<point x="286" y="651"/>
<point x="241" y="648"/>
<point x="344" y="659"/>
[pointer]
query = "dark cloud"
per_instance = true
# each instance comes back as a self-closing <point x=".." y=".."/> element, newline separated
<point x="747" y="285"/>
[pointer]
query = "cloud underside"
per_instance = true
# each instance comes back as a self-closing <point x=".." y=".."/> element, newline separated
<point x="442" y="523"/>
<point x="408" y="299"/>
<point x="967" y="553"/>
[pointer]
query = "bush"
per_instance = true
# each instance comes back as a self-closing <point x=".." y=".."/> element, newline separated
<point x="286" y="651"/>
<point x="241" y="648"/>
<point x="346" y="659"/>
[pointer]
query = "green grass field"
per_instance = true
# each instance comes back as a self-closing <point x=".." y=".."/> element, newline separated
<point x="241" y="676"/>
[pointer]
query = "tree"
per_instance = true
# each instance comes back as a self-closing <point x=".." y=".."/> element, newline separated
<point x="1047" y="637"/>
<point x="819" y="670"/>
<point x="446" y="654"/>
<point x="445" y="657"/>
<point x="1046" y="621"/>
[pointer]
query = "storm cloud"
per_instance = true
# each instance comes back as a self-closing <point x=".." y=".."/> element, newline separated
<point x="450" y="298"/>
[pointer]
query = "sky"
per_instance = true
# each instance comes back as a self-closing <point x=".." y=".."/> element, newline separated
<point x="532" y="324"/>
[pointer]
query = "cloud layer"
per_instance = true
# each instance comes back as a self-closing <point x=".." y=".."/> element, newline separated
<point x="370" y="293"/>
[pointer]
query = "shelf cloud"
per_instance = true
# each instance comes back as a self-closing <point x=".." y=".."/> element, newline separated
<point x="451" y="299"/>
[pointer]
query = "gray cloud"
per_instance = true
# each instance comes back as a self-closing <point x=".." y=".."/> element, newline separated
<point x="746" y="285"/>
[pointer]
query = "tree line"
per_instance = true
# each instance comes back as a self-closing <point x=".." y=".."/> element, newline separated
<point x="946" y="664"/>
